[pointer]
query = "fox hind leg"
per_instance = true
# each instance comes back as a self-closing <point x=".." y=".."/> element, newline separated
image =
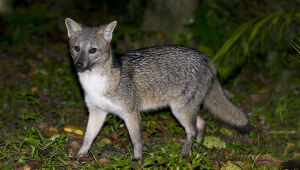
<point x="187" y="118"/>
<point x="200" y="124"/>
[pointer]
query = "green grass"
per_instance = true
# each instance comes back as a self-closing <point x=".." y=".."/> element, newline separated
<point x="41" y="89"/>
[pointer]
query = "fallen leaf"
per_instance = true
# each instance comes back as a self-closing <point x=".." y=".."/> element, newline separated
<point x="268" y="160"/>
<point x="114" y="135"/>
<point x="43" y="125"/>
<point x="227" y="154"/>
<point x="153" y="122"/>
<point x="230" y="166"/>
<point x="105" y="141"/>
<point x="78" y="132"/>
<point x="26" y="167"/>
<point x="86" y="158"/>
<point x="67" y="129"/>
<point x="74" y="147"/>
<point x="104" y="161"/>
<point x="34" y="164"/>
<point x="47" y="129"/>
<point x="213" y="142"/>
<point x="51" y="131"/>
<point x="24" y="150"/>
<point x="75" y="144"/>
<point x="73" y="129"/>
<point x="178" y="140"/>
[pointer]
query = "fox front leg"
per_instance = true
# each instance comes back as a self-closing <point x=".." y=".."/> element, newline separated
<point x="134" y="126"/>
<point x="95" y="123"/>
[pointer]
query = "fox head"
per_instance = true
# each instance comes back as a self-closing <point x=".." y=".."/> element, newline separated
<point x="89" y="45"/>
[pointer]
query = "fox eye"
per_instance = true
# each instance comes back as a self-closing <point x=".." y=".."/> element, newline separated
<point x="76" y="48"/>
<point x="92" y="50"/>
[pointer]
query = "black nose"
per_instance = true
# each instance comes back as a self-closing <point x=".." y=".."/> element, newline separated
<point x="79" y="65"/>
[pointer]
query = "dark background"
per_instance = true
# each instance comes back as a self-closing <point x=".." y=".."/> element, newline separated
<point x="255" y="44"/>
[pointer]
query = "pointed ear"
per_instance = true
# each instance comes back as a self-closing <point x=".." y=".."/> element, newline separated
<point x="107" y="31"/>
<point x="72" y="26"/>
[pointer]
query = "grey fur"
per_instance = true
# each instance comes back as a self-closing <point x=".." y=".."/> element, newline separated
<point x="145" y="79"/>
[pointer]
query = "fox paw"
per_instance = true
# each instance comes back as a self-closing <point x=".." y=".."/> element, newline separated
<point x="81" y="154"/>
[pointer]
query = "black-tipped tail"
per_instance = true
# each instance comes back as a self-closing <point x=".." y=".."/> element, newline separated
<point x="218" y="105"/>
<point x="244" y="129"/>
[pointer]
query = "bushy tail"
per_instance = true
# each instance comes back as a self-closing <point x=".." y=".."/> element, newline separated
<point x="218" y="105"/>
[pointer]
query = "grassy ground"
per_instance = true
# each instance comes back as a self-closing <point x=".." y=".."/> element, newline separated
<point x="43" y="116"/>
<point x="41" y="101"/>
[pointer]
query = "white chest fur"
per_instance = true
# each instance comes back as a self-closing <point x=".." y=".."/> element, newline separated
<point x="95" y="86"/>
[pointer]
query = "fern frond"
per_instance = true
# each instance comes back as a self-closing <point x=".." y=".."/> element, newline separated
<point x="296" y="45"/>
<point x="234" y="37"/>
<point x="252" y="29"/>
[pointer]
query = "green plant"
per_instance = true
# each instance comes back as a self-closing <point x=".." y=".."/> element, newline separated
<point x="243" y="40"/>
<point x="296" y="45"/>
